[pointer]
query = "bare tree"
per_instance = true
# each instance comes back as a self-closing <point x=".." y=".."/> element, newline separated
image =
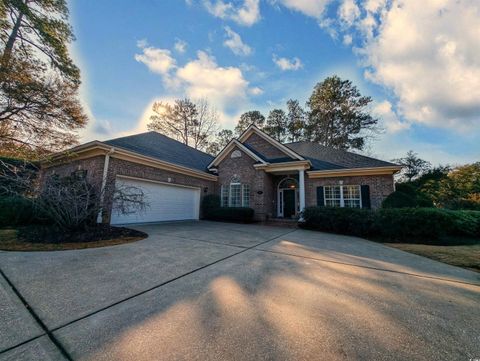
<point x="193" y="123"/>
<point x="206" y="124"/>
<point x="70" y="202"/>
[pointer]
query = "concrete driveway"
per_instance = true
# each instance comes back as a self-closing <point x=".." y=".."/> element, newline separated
<point x="219" y="291"/>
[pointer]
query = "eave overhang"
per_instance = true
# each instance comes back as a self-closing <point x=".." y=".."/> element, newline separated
<point x="349" y="172"/>
<point x="96" y="148"/>
<point x="284" y="166"/>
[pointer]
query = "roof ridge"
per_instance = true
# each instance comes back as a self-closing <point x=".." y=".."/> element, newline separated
<point x="163" y="135"/>
<point x="129" y="136"/>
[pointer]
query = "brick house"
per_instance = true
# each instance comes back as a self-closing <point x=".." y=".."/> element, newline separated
<point x="255" y="170"/>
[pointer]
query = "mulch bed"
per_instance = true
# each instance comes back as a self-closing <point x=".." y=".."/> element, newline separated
<point x="47" y="238"/>
<point x="98" y="232"/>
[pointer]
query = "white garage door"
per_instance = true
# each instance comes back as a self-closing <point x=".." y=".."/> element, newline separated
<point x="165" y="203"/>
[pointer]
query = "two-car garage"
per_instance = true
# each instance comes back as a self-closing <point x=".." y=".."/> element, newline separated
<point x="165" y="202"/>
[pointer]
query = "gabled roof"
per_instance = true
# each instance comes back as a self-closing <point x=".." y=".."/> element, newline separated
<point x="326" y="158"/>
<point x="156" y="145"/>
<point x="253" y="129"/>
<point x="232" y="144"/>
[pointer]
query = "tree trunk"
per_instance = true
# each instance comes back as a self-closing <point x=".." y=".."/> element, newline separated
<point x="7" y="53"/>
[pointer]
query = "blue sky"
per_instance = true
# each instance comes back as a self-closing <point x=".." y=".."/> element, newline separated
<point x="256" y="54"/>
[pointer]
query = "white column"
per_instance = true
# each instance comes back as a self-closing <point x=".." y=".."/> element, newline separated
<point x="301" y="183"/>
<point x="104" y="184"/>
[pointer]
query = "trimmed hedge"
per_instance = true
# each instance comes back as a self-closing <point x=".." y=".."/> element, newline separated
<point x="412" y="224"/>
<point x="15" y="211"/>
<point x="353" y="221"/>
<point x="406" y="196"/>
<point x="210" y="203"/>
<point x="211" y="210"/>
<point x="232" y="214"/>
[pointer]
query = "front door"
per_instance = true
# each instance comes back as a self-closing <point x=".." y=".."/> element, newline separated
<point x="288" y="203"/>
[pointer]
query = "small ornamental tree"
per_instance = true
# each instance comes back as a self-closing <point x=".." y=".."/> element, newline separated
<point x="72" y="202"/>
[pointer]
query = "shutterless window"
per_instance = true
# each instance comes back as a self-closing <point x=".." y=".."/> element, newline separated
<point x="343" y="196"/>
<point x="235" y="195"/>
<point x="224" y="197"/>
<point x="245" y="195"/>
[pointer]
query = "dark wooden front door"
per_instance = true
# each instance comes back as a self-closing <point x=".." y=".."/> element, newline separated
<point x="288" y="203"/>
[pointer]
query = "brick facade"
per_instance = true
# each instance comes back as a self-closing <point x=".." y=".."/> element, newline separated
<point x="380" y="187"/>
<point x="263" y="147"/>
<point x="94" y="167"/>
<point x="261" y="185"/>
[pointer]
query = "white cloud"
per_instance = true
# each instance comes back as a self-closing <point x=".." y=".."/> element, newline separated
<point x="159" y="61"/>
<point x="287" y="64"/>
<point x="180" y="46"/>
<point x="312" y="8"/>
<point x="256" y="91"/>
<point x="425" y="52"/>
<point x="224" y="87"/>
<point x="347" y="39"/>
<point x="348" y="12"/>
<point x="430" y="59"/>
<point x="388" y="118"/>
<point x="246" y="14"/>
<point x="201" y="76"/>
<point x="235" y="44"/>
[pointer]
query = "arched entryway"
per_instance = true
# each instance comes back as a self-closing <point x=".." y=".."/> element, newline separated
<point x="287" y="198"/>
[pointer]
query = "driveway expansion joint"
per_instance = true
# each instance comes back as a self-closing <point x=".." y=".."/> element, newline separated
<point x="167" y="282"/>
<point x="32" y="312"/>
<point x="369" y="267"/>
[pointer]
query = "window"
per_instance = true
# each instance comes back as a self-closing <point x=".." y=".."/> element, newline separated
<point x="333" y="196"/>
<point x="245" y="195"/>
<point x="235" y="195"/>
<point x="224" y="199"/>
<point x="343" y="196"/>
<point x="352" y="197"/>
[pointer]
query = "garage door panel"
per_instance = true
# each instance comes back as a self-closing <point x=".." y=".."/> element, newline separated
<point x="165" y="203"/>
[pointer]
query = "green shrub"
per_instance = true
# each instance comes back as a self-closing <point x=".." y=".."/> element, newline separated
<point x="399" y="199"/>
<point x="210" y="203"/>
<point x="352" y="221"/>
<point x="465" y="204"/>
<point x="465" y="223"/>
<point x="407" y="196"/>
<point x="16" y="211"/>
<point x="232" y="214"/>
<point x="414" y="223"/>
<point x="425" y="225"/>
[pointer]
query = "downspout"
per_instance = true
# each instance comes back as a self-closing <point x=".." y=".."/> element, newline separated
<point x="104" y="183"/>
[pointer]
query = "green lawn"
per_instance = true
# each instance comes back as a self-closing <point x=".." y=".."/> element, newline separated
<point x="466" y="256"/>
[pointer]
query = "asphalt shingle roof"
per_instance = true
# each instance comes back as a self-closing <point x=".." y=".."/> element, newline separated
<point x="325" y="158"/>
<point x="156" y="145"/>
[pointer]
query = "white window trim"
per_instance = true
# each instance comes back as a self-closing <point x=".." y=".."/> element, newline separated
<point x="342" y="199"/>
<point x="229" y="198"/>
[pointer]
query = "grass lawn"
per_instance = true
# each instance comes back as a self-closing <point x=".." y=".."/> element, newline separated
<point x="10" y="241"/>
<point x="465" y="255"/>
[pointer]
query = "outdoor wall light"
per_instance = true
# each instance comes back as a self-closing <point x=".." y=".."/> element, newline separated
<point x="259" y="192"/>
<point x="205" y="190"/>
